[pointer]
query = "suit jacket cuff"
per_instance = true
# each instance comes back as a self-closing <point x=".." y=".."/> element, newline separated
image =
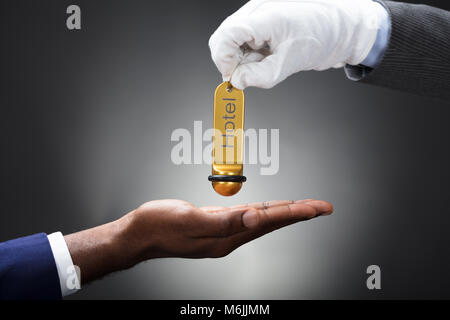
<point x="28" y="270"/>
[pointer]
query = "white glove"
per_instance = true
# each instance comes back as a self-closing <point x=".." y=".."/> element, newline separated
<point x="266" y="41"/>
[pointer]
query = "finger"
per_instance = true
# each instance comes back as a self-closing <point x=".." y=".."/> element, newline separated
<point x="269" y="219"/>
<point x="212" y="209"/>
<point x="263" y="74"/>
<point x="256" y="205"/>
<point x="271" y="216"/>
<point x="224" y="223"/>
<point x="272" y="203"/>
<point x="233" y="34"/>
<point x="252" y="56"/>
<point x="264" y="204"/>
<point x="225" y="45"/>
<point x="288" y="57"/>
<point x="279" y="216"/>
<point x="323" y="207"/>
<point x="238" y="223"/>
<point x="286" y="214"/>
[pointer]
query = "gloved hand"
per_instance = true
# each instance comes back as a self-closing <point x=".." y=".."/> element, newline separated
<point x="266" y="41"/>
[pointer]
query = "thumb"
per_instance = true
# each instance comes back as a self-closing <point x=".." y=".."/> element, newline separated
<point x="225" y="46"/>
<point x="262" y="74"/>
<point x="229" y="221"/>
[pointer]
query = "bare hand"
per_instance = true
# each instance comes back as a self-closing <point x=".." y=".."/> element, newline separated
<point x="175" y="228"/>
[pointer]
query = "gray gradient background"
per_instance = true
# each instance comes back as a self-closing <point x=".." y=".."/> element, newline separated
<point x="85" y="137"/>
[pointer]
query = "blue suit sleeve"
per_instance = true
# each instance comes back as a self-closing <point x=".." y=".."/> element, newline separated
<point x="28" y="269"/>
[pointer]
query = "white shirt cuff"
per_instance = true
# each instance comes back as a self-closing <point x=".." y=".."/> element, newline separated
<point x="381" y="44"/>
<point x="69" y="275"/>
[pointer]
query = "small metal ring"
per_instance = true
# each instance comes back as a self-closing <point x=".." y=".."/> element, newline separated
<point x="222" y="178"/>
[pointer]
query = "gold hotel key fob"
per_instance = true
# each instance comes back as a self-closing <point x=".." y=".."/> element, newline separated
<point x="228" y="139"/>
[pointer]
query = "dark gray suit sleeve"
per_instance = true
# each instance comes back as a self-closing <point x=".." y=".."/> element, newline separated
<point x="418" y="55"/>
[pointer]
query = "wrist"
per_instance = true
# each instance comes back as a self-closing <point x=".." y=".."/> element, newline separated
<point x="373" y="16"/>
<point x="101" y="250"/>
<point x="378" y="49"/>
<point x="134" y="235"/>
<point x="125" y="247"/>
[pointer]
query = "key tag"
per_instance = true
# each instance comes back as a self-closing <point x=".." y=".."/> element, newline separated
<point x="228" y="139"/>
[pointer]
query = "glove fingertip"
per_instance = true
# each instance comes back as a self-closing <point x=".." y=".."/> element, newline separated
<point x="237" y="83"/>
